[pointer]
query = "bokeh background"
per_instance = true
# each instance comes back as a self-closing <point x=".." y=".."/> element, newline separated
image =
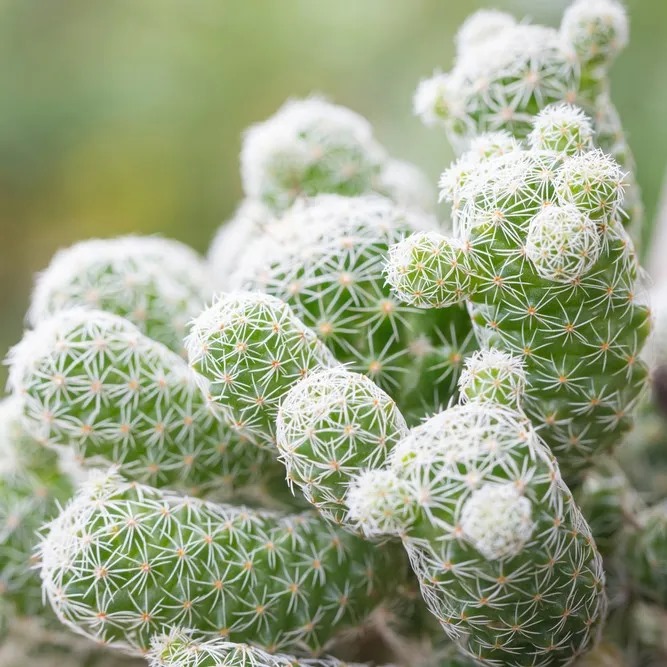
<point x="122" y="116"/>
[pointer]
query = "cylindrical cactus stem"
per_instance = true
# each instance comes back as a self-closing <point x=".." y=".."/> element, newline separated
<point x="645" y="554"/>
<point x="309" y="147"/>
<point x="180" y="649"/>
<point x="158" y="284"/>
<point x="505" y="71"/>
<point x="124" y="562"/>
<point x="325" y="259"/>
<point x="330" y="427"/>
<point x="252" y="349"/>
<point x="505" y="559"/>
<point x="31" y="489"/>
<point x="550" y="276"/>
<point x="92" y="383"/>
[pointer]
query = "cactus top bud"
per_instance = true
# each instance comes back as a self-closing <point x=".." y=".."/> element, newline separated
<point x="158" y="284"/>
<point x="597" y="29"/>
<point x="493" y="376"/>
<point x="309" y="147"/>
<point x="480" y="27"/>
<point x="562" y="243"/>
<point x="563" y="128"/>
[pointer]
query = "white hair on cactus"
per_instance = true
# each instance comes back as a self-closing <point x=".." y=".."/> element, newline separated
<point x="52" y="334"/>
<point x="597" y="29"/>
<point x="484" y="147"/>
<point x="331" y="426"/>
<point x="562" y="127"/>
<point x="497" y="519"/>
<point x="418" y="288"/>
<point x="436" y="100"/>
<point x="380" y="503"/>
<point x="562" y="243"/>
<point x="480" y="27"/>
<point x="302" y="135"/>
<point x="157" y="283"/>
<point x="407" y="185"/>
<point x="493" y="375"/>
<point x="248" y="223"/>
<point x="592" y="181"/>
<point x="181" y="648"/>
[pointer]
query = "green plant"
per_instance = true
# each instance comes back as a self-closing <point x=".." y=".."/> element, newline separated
<point x="550" y="276"/>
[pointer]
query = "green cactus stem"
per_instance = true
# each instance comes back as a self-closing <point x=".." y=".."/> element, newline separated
<point x="549" y="275"/>
<point x="123" y="562"/>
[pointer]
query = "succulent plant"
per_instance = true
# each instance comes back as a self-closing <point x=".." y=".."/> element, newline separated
<point x="549" y="275"/>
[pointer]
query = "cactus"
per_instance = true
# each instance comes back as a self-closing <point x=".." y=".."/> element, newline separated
<point x="549" y="275"/>
<point x="309" y="147"/>
<point x="92" y="383"/>
<point x="505" y="559"/>
<point x="325" y="258"/>
<point x="123" y="561"/>
<point x="251" y="349"/>
<point x="248" y="223"/>
<point x="505" y="73"/>
<point x="31" y="488"/>
<point x="158" y="284"/>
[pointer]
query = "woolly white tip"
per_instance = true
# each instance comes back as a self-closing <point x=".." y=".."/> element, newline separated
<point x="592" y="181"/>
<point x="380" y="503"/>
<point x="481" y="27"/>
<point x="437" y="100"/>
<point x="497" y="520"/>
<point x="54" y="334"/>
<point x="93" y="270"/>
<point x="563" y="128"/>
<point x="278" y="153"/>
<point x="597" y="29"/>
<point x="562" y="243"/>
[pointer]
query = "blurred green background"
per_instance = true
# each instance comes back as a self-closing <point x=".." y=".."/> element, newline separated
<point x="124" y="116"/>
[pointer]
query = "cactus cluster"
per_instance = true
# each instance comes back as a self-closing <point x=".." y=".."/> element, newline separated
<point x="355" y="434"/>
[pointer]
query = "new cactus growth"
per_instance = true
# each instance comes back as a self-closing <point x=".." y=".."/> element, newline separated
<point x="251" y="349"/>
<point x="124" y="561"/>
<point x="550" y="276"/>
<point x="92" y="383"/>
<point x="325" y="258"/>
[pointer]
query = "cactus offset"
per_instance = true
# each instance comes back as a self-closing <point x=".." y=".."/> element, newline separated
<point x="504" y="557"/>
<point x="158" y="284"/>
